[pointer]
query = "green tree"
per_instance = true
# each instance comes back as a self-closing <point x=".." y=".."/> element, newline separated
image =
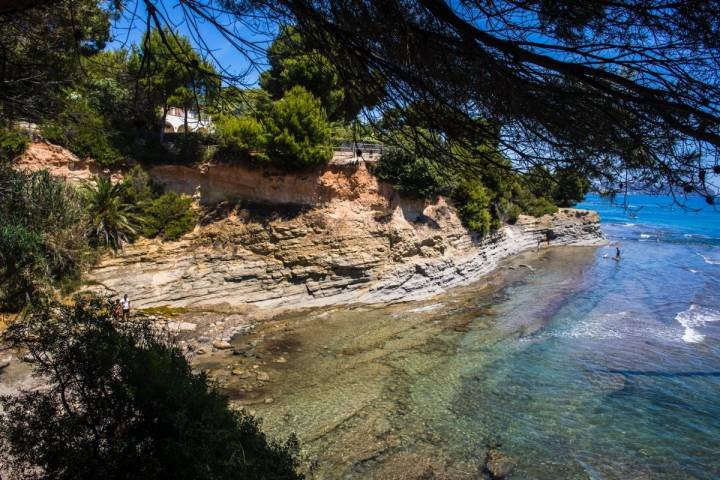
<point x="41" y="49"/>
<point x="414" y="175"/>
<point x="298" y="133"/>
<point x="570" y="188"/>
<point x="294" y="61"/>
<point x="169" y="216"/>
<point x="123" y="403"/>
<point x="240" y="135"/>
<point x="12" y="144"/>
<point x="172" y="72"/>
<point x="473" y="202"/>
<point x="111" y="221"/>
<point x="42" y="241"/>
<point x="83" y="130"/>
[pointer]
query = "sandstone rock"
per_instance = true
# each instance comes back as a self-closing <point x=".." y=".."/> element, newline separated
<point x="201" y="351"/>
<point x="281" y="360"/>
<point x="181" y="326"/>
<point x="269" y="400"/>
<point x="262" y="376"/>
<point x="5" y="361"/>
<point x="221" y="344"/>
<point x="356" y="242"/>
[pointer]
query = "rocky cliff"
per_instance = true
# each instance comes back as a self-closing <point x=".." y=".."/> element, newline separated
<point x="346" y="238"/>
<point x="339" y="252"/>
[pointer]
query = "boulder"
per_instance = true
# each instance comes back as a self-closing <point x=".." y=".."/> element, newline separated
<point x="497" y="464"/>
<point x="221" y="345"/>
<point x="5" y="361"/>
<point x="263" y="376"/>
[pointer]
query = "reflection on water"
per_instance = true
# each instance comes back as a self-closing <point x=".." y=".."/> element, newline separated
<point x="581" y="368"/>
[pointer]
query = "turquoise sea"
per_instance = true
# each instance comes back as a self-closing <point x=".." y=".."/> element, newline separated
<point x="623" y="380"/>
<point x="572" y="364"/>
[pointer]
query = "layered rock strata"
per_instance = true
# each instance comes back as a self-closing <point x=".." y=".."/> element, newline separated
<point x="340" y="252"/>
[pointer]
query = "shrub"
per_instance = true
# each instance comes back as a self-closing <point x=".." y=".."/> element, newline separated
<point x="138" y="188"/>
<point x="538" y="206"/>
<point x="111" y="220"/>
<point x="169" y="216"/>
<point x="298" y="133"/>
<point x="42" y="241"/>
<point x="12" y="143"/>
<point x="123" y="403"/>
<point x="83" y="131"/>
<point x="473" y="204"/>
<point x="413" y="175"/>
<point x="242" y="134"/>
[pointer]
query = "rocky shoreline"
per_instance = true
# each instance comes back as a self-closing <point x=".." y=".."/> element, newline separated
<point x="335" y="254"/>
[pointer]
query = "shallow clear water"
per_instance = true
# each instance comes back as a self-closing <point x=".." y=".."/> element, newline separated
<point x="582" y="368"/>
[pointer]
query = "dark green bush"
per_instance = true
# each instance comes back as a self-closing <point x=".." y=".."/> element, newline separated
<point x="538" y="206"/>
<point x="473" y="205"/>
<point x="123" y="403"/>
<point x="241" y="134"/>
<point x="297" y="131"/>
<point x="169" y="216"/>
<point x="12" y="143"/>
<point x="83" y="131"/>
<point x="42" y="235"/>
<point x="413" y="175"/>
<point x="138" y="188"/>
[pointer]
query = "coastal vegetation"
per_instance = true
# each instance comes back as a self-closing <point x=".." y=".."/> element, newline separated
<point x="122" y="402"/>
<point x="42" y="235"/>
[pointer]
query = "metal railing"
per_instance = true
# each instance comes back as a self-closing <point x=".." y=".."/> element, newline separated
<point x="362" y="148"/>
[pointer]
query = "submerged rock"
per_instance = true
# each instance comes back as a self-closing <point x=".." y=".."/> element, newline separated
<point x="497" y="465"/>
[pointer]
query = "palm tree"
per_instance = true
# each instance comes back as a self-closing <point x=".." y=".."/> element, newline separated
<point x="111" y="220"/>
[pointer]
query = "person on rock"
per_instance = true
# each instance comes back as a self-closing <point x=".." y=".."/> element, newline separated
<point x="117" y="309"/>
<point x="125" y="307"/>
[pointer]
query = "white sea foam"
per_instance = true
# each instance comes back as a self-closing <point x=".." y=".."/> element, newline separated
<point x="645" y="235"/>
<point x="693" y="318"/>
<point x="692" y="271"/>
<point x="710" y="260"/>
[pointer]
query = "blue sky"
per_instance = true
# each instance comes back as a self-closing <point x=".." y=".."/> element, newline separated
<point x="130" y="27"/>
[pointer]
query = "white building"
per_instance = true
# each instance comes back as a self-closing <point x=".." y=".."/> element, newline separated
<point x="197" y="122"/>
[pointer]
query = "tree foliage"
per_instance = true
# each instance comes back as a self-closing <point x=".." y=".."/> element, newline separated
<point x="298" y="133"/>
<point x="12" y="144"/>
<point x="123" y="403"/>
<point x="607" y="88"/>
<point x="112" y="221"/>
<point x="83" y="130"/>
<point x="41" y="48"/>
<point x="42" y="241"/>
<point x="293" y="61"/>
<point x="169" y="216"/>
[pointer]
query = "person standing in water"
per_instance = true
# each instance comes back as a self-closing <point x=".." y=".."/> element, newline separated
<point x="125" y="307"/>
<point x="617" y="253"/>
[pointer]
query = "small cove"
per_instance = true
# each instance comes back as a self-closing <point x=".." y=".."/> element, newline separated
<point x="578" y="367"/>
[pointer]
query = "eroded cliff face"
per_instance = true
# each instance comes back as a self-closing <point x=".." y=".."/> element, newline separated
<point x="347" y="238"/>
<point x="340" y="252"/>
